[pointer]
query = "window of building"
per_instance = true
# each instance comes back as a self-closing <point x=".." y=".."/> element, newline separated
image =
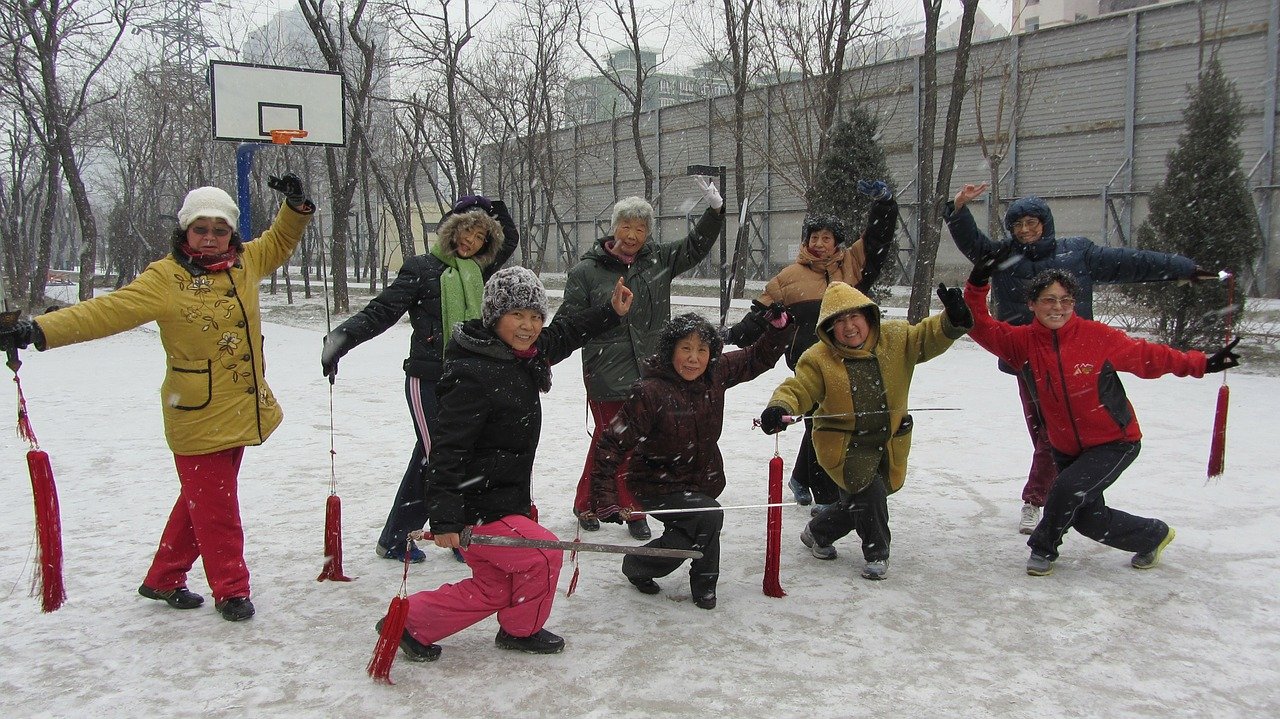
<point x="1031" y="24"/>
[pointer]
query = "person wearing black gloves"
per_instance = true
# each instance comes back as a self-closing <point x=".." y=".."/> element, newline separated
<point x="823" y="258"/>
<point x="1032" y="248"/>
<point x="215" y="396"/>
<point x="1071" y="365"/>
<point x="438" y="289"/>
<point x="858" y="376"/>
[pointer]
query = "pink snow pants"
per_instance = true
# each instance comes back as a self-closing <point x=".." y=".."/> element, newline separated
<point x="516" y="582"/>
<point x="204" y="523"/>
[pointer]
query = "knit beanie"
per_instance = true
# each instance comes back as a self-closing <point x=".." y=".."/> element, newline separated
<point x="211" y="202"/>
<point x="512" y="288"/>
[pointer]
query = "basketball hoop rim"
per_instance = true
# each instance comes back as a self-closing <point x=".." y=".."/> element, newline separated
<point x="284" y="137"/>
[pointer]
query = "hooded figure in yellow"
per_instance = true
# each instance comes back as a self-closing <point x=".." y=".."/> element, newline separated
<point x="857" y="377"/>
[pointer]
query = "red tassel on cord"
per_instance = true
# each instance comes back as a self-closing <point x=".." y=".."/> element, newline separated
<point x="773" y="532"/>
<point x="48" y="531"/>
<point x="384" y="652"/>
<point x="1218" y="447"/>
<point x="333" y="542"/>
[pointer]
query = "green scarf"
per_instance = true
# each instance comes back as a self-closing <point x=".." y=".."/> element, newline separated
<point x="461" y="292"/>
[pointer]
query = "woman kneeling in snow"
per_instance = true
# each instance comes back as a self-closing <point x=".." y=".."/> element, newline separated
<point x="672" y="421"/>
<point x="858" y="375"/>
<point x="482" y="464"/>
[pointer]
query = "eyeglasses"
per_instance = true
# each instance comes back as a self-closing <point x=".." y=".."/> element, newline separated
<point x="218" y="232"/>
<point x="1027" y="222"/>
<point x="1065" y="303"/>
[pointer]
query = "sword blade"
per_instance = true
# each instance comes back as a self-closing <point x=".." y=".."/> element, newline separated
<point x="496" y="541"/>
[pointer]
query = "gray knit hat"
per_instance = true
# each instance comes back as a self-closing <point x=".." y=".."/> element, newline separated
<point x="512" y="288"/>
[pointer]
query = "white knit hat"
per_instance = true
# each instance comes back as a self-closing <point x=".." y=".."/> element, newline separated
<point x="211" y="202"/>
<point x="512" y="288"/>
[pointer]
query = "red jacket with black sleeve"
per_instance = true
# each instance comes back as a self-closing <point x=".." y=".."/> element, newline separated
<point x="1073" y="372"/>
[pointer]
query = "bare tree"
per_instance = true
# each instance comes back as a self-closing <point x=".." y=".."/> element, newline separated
<point x="57" y="48"/>
<point x="625" y="24"/>
<point x="357" y="66"/>
<point x="809" y="41"/>
<point x="998" y="117"/>
<point x="933" y="194"/>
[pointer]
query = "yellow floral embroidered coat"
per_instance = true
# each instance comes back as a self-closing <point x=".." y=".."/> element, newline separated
<point x="215" y="394"/>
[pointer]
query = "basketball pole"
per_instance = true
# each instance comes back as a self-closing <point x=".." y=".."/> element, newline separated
<point x="244" y="165"/>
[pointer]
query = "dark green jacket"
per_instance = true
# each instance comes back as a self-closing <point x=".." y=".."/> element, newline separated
<point x="611" y="361"/>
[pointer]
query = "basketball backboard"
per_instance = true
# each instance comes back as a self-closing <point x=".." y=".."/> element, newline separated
<point x="249" y="101"/>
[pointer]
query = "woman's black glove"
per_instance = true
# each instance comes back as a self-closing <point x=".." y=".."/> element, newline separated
<point x="290" y="185"/>
<point x="989" y="264"/>
<point x="20" y="335"/>
<point x="336" y="344"/>
<point x="953" y="301"/>
<point x="771" y="420"/>
<point x="1223" y="359"/>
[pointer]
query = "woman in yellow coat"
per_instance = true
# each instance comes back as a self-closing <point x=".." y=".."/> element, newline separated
<point x="215" y="398"/>
<point x="858" y="375"/>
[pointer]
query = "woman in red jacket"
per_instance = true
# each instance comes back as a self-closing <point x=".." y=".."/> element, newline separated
<point x="1071" y="366"/>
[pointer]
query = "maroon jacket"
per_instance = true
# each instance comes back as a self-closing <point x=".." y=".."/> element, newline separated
<point x="1072" y="372"/>
<point x="674" y="425"/>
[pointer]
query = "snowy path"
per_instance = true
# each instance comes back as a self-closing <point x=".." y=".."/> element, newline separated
<point x="957" y="630"/>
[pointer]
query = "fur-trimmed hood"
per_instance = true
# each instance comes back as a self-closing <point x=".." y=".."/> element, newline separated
<point x="452" y="223"/>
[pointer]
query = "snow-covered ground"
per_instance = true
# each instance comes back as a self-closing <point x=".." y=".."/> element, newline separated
<point x="958" y="629"/>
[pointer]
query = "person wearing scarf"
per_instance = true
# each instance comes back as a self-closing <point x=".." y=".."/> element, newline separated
<point x="203" y="297"/>
<point x="438" y="289"/>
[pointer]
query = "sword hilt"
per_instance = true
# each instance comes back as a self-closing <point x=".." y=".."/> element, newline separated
<point x="9" y="320"/>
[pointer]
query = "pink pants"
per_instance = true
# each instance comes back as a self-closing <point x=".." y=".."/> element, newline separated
<point x="517" y="583"/>
<point x="1043" y="469"/>
<point x="603" y="413"/>
<point x="204" y="523"/>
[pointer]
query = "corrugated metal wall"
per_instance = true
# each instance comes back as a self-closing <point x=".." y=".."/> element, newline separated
<point x="1105" y="107"/>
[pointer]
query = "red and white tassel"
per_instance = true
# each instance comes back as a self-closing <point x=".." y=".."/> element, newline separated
<point x="773" y="531"/>
<point x="384" y="652"/>
<point x="333" y="542"/>
<point x="48" y="533"/>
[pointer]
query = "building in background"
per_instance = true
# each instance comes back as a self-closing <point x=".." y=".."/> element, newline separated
<point x="595" y="97"/>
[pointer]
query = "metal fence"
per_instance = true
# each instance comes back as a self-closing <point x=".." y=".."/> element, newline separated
<point x="1104" y="107"/>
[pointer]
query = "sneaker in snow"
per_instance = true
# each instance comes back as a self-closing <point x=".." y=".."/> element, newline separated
<point x="876" y="570"/>
<point x="818" y="509"/>
<point x="416" y="556"/>
<point x="806" y="538"/>
<point x="1038" y="566"/>
<point x="1030" y="518"/>
<point x="414" y="650"/>
<point x="1147" y="560"/>
<point x="802" y="494"/>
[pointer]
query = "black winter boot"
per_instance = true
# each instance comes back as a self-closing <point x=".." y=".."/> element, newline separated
<point x="235" y="609"/>
<point x="180" y="598"/>
<point x="414" y="650"/>
<point x="540" y="642"/>
<point x="639" y="528"/>
<point x="646" y="586"/>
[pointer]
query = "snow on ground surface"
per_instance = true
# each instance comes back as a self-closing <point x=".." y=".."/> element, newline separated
<point x="958" y="629"/>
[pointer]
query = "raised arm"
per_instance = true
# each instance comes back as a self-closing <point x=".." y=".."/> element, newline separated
<point x="510" y="237"/>
<point x="971" y="241"/>
<point x="1122" y="264"/>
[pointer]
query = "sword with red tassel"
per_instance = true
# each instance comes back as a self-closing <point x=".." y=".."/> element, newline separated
<point x="1218" y="444"/>
<point x="48" y="581"/>
<point x="332" y="569"/>
<point x="773" y="527"/>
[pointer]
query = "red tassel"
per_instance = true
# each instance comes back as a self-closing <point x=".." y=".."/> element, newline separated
<point x="573" y="557"/>
<point x="384" y="652"/>
<point x="773" y="533"/>
<point x="1218" y="447"/>
<point x="48" y="531"/>
<point x="333" y="542"/>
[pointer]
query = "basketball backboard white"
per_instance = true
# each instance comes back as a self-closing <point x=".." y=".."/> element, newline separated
<point x="249" y="101"/>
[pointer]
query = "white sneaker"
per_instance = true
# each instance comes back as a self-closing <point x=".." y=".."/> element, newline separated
<point x="1030" y="518"/>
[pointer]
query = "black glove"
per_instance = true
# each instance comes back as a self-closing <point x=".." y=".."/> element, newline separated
<point x="289" y="185"/>
<point x="953" y="301"/>
<point x="989" y="263"/>
<point x="775" y="314"/>
<point x="466" y="202"/>
<point x="1223" y="359"/>
<point x="336" y="344"/>
<point x="771" y="420"/>
<point x="875" y="189"/>
<point x="19" y="335"/>
<point x="498" y="210"/>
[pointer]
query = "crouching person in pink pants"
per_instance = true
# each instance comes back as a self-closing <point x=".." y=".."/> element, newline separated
<point x="482" y="464"/>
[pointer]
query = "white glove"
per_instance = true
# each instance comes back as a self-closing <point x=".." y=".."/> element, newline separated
<point x="710" y="193"/>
